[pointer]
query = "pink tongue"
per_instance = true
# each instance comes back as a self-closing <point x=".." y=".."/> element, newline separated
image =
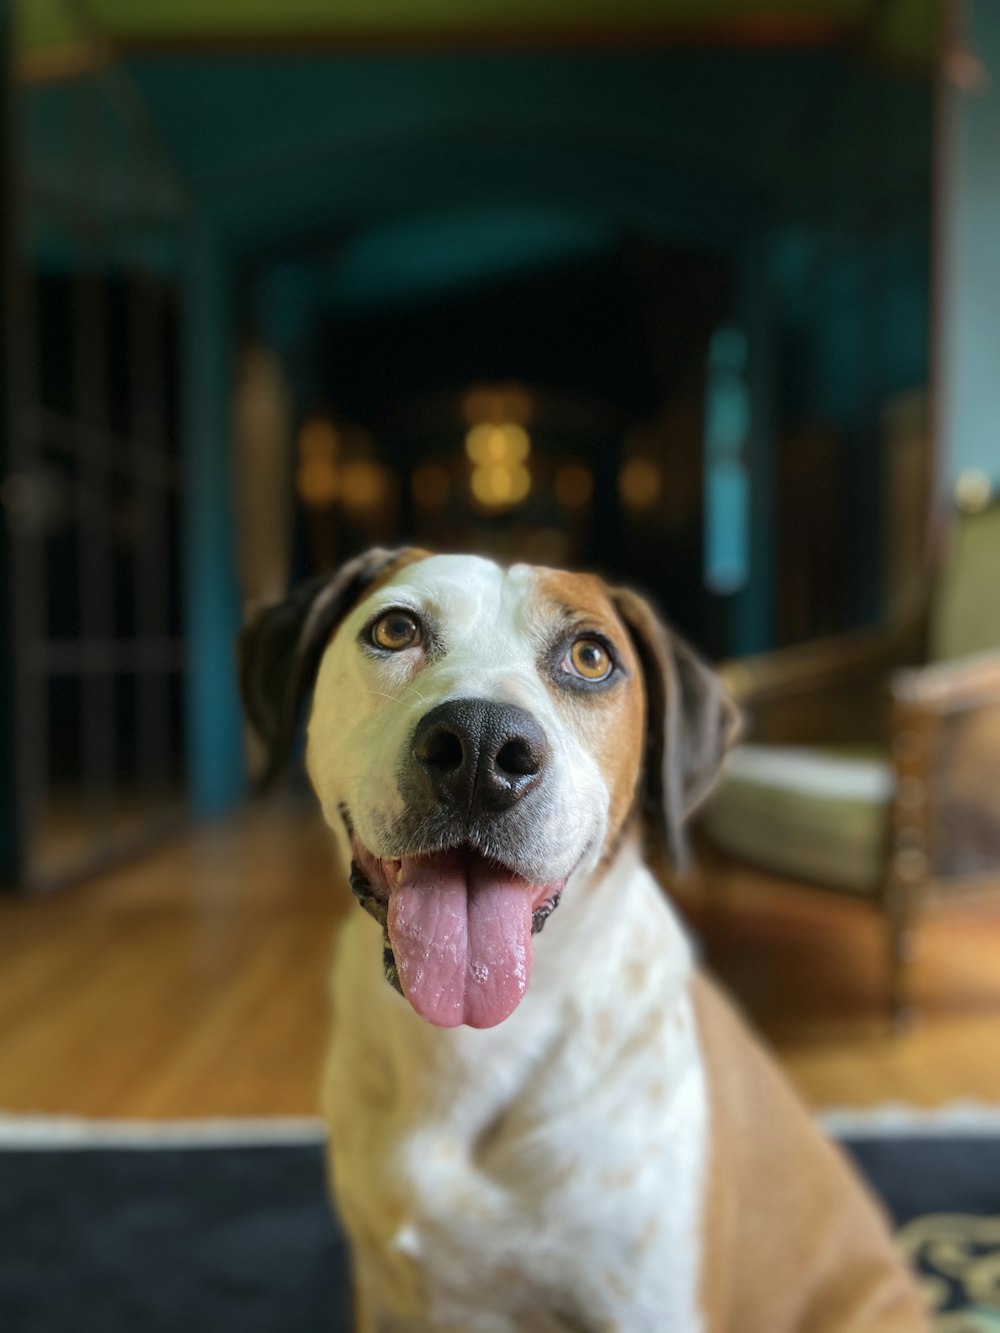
<point x="460" y="930"/>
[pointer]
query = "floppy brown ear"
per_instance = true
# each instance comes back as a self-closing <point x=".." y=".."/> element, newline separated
<point x="690" y="724"/>
<point x="281" y="646"/>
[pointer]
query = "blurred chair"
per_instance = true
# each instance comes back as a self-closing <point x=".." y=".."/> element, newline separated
<point x="870" y="776"/>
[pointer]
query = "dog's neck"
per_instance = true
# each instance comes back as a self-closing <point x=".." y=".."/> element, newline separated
<point x="610" y="959"/>
<point x="609" y="917"/>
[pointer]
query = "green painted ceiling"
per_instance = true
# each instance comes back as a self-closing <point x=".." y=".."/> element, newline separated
<point x="901" y="28"/>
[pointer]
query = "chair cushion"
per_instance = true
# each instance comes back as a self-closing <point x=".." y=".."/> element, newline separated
<point x="813" y="813"/>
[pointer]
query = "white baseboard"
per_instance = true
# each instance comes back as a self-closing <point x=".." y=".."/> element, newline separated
<point x="43" y="1131"/>
<point x="966" y="1119"/>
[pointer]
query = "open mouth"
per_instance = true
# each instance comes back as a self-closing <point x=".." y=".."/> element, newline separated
<point x="458" y="930"/>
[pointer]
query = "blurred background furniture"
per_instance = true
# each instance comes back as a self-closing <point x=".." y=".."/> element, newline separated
<point x="868" y="774"/>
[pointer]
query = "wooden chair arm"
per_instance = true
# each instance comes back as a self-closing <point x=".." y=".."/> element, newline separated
<point x="830" y="691"/>
<point x="947" y="687"/>
<point x="823" y="663"/>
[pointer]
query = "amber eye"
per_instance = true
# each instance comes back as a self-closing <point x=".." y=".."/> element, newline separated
<point x="395" y="631"/>
<point x="588" y="659"/>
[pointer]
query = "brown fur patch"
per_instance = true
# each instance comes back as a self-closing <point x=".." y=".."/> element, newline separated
<point x="825" y="1259"/>
<point x="409" y="555"/>
<point x="653" y="1027"/>
<point x="555" y="1180"/>
<point x="621" y="1179"/>
<point x="636" y="972"/>
<point x="604" y="1028"/>
<point x="615" y="1283"/>
<point x="611" y="723"/>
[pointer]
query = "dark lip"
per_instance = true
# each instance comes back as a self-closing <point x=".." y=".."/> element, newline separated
<point x="363" y="858"/>
<point x="434" y="848"/>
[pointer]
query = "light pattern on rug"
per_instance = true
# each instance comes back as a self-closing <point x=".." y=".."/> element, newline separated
<point x="958" y="1256"/>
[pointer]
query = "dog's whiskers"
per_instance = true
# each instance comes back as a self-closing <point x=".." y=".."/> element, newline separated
<point x="398" y="698"/>
<point x="381" y="694"/>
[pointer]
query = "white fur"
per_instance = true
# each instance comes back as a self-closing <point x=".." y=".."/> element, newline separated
<point x="544" y="1174"/>
<point x="364" y="710"/>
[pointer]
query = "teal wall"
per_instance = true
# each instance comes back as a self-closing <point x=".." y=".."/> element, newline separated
<point x="751" y="627"/>
<point x="970" y="265"/>
<point x="214" y="720"/>
<point x="363" y="179"/>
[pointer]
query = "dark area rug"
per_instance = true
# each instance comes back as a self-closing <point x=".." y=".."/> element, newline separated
<point x="200" y="1240"/>
<point x="190" y="1240"/>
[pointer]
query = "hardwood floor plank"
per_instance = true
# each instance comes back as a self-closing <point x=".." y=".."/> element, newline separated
<point x="194" y="983"/>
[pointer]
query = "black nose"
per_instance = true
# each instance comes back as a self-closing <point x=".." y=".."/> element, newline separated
<point x="480" y="756"/>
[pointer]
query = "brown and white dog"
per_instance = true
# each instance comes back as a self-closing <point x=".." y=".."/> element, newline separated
<point x="568" y="1130"/>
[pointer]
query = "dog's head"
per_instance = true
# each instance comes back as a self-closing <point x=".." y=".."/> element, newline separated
<point x="478" y="737"/>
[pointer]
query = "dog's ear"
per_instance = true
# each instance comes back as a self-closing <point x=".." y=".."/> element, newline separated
<point x="691" y="722"/>
<point x="281" y="646"/>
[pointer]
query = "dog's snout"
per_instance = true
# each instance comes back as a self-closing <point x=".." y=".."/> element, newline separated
<point x="480" y="756"/>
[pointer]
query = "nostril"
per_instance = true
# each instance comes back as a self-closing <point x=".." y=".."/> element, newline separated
<point x="518" y="758"/>
<point x="442" y="750"/>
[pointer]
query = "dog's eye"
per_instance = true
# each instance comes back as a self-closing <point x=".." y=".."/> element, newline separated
<point x="589" y="659"/>
<point x="395" y="631"/>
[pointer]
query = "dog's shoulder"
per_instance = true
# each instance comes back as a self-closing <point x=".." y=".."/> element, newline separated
<point x="823" y="1244"/>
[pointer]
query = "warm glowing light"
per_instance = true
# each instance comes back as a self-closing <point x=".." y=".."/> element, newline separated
<point x="518" y="404"/>
<point x="364" y="484"/>
<point x="493" y="404"/>
<point x="318" y="440"/>
<point x="482" y="404"/>
<point x="640" y="483"/>
<point x="499" y="485"/>
<point x="430" y="485"/>
<point x="507" y="443"/>
<point x="317" y="483"/>
<point x="573" y="485"/>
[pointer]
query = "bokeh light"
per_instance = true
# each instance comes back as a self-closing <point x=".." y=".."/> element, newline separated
<point x="640" y="483"/>
<point x="499" y="485"/>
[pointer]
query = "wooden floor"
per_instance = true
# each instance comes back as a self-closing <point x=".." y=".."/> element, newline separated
<point x="193" y="984"/>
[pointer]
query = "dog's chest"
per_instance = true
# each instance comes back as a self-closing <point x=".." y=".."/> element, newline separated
<point x="558" y="1230"/>
<point x="573" y="1204"/>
